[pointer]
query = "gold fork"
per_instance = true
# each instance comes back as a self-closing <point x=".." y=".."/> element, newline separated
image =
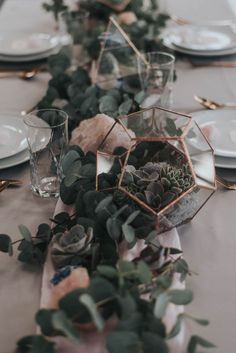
<point x="183" y="21"/>
<point x="230" y="185"/>
<point x="3" y="185"/>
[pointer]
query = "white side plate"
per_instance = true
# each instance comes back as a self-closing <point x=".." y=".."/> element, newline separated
<point x="220" y="128"/>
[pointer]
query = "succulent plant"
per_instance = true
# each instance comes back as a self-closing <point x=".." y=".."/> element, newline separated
<point x="71" y="246"/>
<point x="157" y="184"/>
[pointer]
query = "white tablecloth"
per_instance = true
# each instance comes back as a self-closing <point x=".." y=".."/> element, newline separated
<point x="209" y="241"/>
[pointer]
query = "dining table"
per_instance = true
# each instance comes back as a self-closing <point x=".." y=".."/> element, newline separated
<point x="208" y="241"/>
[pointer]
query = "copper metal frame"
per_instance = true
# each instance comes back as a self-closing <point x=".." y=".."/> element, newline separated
<point x="112" y="21"/>
<point x="186" y="155"/>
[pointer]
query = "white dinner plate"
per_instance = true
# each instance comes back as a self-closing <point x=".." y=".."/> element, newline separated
<point x="225" y="162"/>
<point x="14" y="160"/>
<point x="203" y="38"/>
<point x="167" y="42"/>
<point x="12" y="135"/>
<point x="24" y="44"/>
<point x="15" y="59"/>
<point x="220" y="128"/>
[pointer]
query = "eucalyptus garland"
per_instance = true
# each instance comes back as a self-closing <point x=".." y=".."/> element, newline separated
<point x="129" y="297"/>
<point x="91" y="238"/>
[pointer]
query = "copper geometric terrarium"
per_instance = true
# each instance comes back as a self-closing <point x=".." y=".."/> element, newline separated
<point x="117" y="62"/>
<point x="168" y="169"/>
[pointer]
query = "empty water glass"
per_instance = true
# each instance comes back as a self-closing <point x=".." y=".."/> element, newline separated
<point x="156" y="78"/>
<point x="47" y="136"/>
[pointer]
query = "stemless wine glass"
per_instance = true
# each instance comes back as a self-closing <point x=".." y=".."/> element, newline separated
<point x="73" y="26"/>
<point x="156" y="78"/>
<point x="47" y="136"/>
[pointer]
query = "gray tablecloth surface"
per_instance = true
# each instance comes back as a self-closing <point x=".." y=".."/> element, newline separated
<point x="209" y="241"/>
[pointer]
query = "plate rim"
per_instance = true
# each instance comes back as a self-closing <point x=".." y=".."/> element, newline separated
<point x="215" y="28"/>
<point x="213" y="53"/>
<point x="212" y="112"/>
<point x="25" y="158"/>
<point x="38" y="52"/>
<point x="11" y="115"/>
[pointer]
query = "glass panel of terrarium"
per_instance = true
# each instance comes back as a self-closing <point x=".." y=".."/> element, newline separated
<point x="117" y="60"/>
<point x="201" y="156"/>
<point x="170" y="124"/>
<point x="104" y="162"/>
<point x="185" y="208"/>
<point x="155" y="122"/>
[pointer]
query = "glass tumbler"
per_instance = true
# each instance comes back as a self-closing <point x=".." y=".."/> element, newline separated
<point x="156" y="78"/>
<point x="47" y="136"/>
<point x="73" y="26"/>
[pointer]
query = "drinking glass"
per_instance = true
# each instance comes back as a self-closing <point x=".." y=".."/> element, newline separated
<point x="47" y="136"/>
<point x="73" y="26"/>
<point x="156" y="78"/>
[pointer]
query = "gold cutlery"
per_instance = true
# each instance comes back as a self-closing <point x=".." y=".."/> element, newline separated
<point x="23" y="74"/>
<point x="183" y="21"/>
<point x="3" y="185"/>
<point x="209" y="104"/>
<point x="215" y="63"/>
<point x="230" y="185"/>
<point x="11" y="182"/>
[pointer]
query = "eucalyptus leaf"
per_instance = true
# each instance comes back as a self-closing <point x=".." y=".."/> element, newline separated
<point x="62" y="323"/>
<point x="132" y="217"/>
<point x="181" y="296"/>
<point x="125" y="107"/>
<point x="161" y="303"/>
<point x="153" y="343"/>
<point x="89" y="303"/>
<point x="35" y="344"/>
<point x="103" y="204"/>
<point x="5" y="244"/>
<point x="26" y="234"/>
<point x="121" y="341"/>
<point x="68" y="160"/>
<point x="139" y="97"/>
<point x="129" y="232"/>
<point x="113" y="226"/>
<point x="176" y="328"/>
<point x="196" y="341"/>
<point x="108" y="105"/>
<point x="107" y="271"/>
<point x="145" y="274"/>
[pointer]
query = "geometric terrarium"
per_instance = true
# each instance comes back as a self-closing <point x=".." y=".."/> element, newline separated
<point x="117" y="62"/>
<point x="168" y="170"/>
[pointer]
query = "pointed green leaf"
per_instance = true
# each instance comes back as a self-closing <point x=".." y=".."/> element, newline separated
<point x="113" y="226"/>
<point x="161" y="303"/>
<point x="176" y="328"/>
<point x="89" y="303"/>
<point x="25" y="233"/>
<point x="145" y="275"/>
<point x="132" y="217"/>
<point x="129" y="232"/>
<point x="103" y="204"/>
<point x="198" y="341"/>
<point x="62" y="323"/>
<point x="202" y="322"/>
